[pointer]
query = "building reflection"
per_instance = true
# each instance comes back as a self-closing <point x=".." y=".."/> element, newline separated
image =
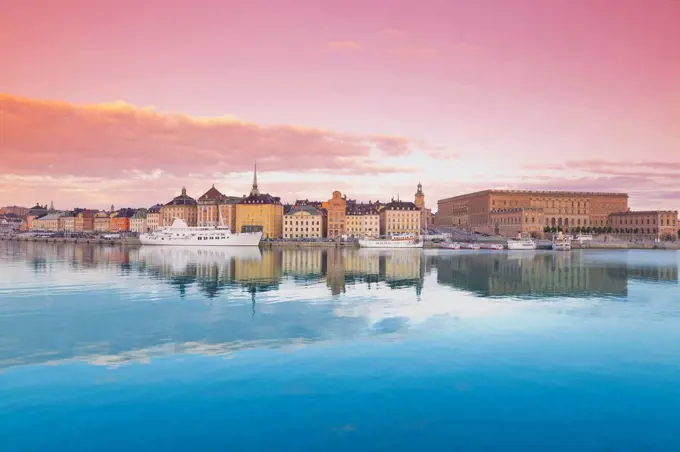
<point x="542" y="274"/>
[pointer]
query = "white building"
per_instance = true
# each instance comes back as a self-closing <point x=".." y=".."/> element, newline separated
<point x="138" y="222"/>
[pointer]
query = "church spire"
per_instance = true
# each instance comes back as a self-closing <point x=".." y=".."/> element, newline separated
<point x="255" y="190"/>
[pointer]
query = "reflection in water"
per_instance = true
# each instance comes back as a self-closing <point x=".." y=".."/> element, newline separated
<point x="384" y="350"/>
<point x="244" y="297"/>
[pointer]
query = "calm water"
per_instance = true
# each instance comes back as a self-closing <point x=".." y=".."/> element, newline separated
<point x="111" y="349"/>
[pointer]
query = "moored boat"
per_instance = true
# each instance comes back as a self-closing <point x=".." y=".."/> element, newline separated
<point x="469" y="246"/>
<point x="451" y="246"/>
<point x="180" y="234"/>
<point x="561" y="243"/>
<point x="395" y="241"/>
<point x="521" y="243"/>
<point x="492" y="246"/>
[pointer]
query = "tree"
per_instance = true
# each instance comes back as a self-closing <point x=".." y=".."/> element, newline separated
<point x="610" y="229"/>
<point x="546" y="229"/>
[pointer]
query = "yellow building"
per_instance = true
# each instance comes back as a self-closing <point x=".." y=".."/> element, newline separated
<point x="336" y="208"/>
<point x="49" y="222"/>
<point x="260" y="212"/>
<point x="362" y="220"/>
<point x="153" y="217"/>
<point x="101" y="222"/>
<point x="303" y="221"/>
<point x="399" y="217"/>
<point x="182" y="207"/>
<point x="67" y="222"/>
<point x="216" y="209"/>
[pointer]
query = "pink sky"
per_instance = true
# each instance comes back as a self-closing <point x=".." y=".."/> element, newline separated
<point x="125" y="102"/>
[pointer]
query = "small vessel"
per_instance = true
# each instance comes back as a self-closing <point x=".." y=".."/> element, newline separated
<point x="451" y="246"/>
<point x="469" y="246"/>
<point x="395" y="241"/>
<point x="179" y="233"/>
<point x="492" y="246"/>
<point x="561" y="243"/>
<point x="521" y="243"/>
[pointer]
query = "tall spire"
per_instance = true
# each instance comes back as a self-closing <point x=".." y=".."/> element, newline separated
<point x="255" y="190"/>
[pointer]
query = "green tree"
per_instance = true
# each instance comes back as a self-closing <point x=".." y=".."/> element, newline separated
<point x="546" y="229"/>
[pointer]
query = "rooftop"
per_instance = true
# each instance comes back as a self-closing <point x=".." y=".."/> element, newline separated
<point x="400" y="205"/>
<point x="304" y="208"/>
<point x="182" y="200"/>
<point x="260" y="199"/>
<point x="534" y="192"/>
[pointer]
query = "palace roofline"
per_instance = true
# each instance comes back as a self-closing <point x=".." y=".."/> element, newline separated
<point x="534" y="192"/>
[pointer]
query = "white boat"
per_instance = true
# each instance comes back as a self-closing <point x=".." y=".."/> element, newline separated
<point x="469" y="246"/>
<point x="492" y="246"/>
<point x="451" y="246"/>
<point x="181" y="234"/>
<point x="561" y="243"/>
<point x="521" y="243"/>
<point x="396" y="241"/>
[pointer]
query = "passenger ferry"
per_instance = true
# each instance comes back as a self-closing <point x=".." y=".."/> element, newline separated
<point x="521" y="243"/>
<point x="181" y="234"/>
<point x="395" y="241"/>
<point x="561" y="243"/>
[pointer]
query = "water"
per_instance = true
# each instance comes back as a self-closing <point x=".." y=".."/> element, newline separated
<point x="110" y="349"/>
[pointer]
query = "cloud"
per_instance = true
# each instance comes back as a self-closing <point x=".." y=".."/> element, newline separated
<point x="53" y="138"/>
<point x="345" y="45"/>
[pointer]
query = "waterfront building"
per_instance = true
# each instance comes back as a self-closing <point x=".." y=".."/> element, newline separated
<point x="562" y="209"/>
<point x="400" y="217"/>
<point x="517" y="220"/>
<point x="67" y="222"/>
<point x="84" y="221"/>
<point x="154" y="220"/>
<point x="34" y="212"/>
<point x="138" y="222"/>
<point x="100" y="222"/>
<point x="119" y="221"/>
<point x="183" y="207"/>
<point x="336" y="208"/>
<point x="216" y="209"/>
<point x="49" y="222"/>
<point x="650" y="224"/>
<point x="362" y="220"/>
<point x="260" y="212"/>
<point x="10" y="223"/>
<point x="425" y="213"/>
<point x="303" y="221"/>
<point x="15" y="211"/>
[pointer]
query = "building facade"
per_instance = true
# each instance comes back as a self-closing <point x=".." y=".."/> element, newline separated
<point x="154" y="220"/>
<point x="215" y="209"/>
<point x="67" y="222"/>
<point x="565" y="210"/>
<point x="425" y="213"/>
<point x="303" y="222"/>
<point x="138" y="222"/>
<point x="400" y="217"/>
<point x="119" y="221"/>
<point x="183" y="207"/>
<point x="651" y="224"/>
<point x="260" y="212"/>
<point x="362" y="221"/>
<point x="336" y="208"/>
<point x="518" y="220"/>
<point x="34" y="212"/>
<point x="49" y="222"/>
<point x="101" y="222"/>
<point x="84" y="221"/>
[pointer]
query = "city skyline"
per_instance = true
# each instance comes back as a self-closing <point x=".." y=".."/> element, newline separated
<point x="365" y="98"/>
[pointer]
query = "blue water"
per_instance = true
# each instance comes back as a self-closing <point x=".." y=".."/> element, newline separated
<point x="110" y="349"/>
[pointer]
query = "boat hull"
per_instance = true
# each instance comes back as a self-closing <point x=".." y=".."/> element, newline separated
<point x="521" y="246"/>
<point x="451" y="246"/>
<point x="242" y="239"/>
<point x="389" y="244"/>
<point x="494" y="246"/>
<point x="469" y="246"/>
